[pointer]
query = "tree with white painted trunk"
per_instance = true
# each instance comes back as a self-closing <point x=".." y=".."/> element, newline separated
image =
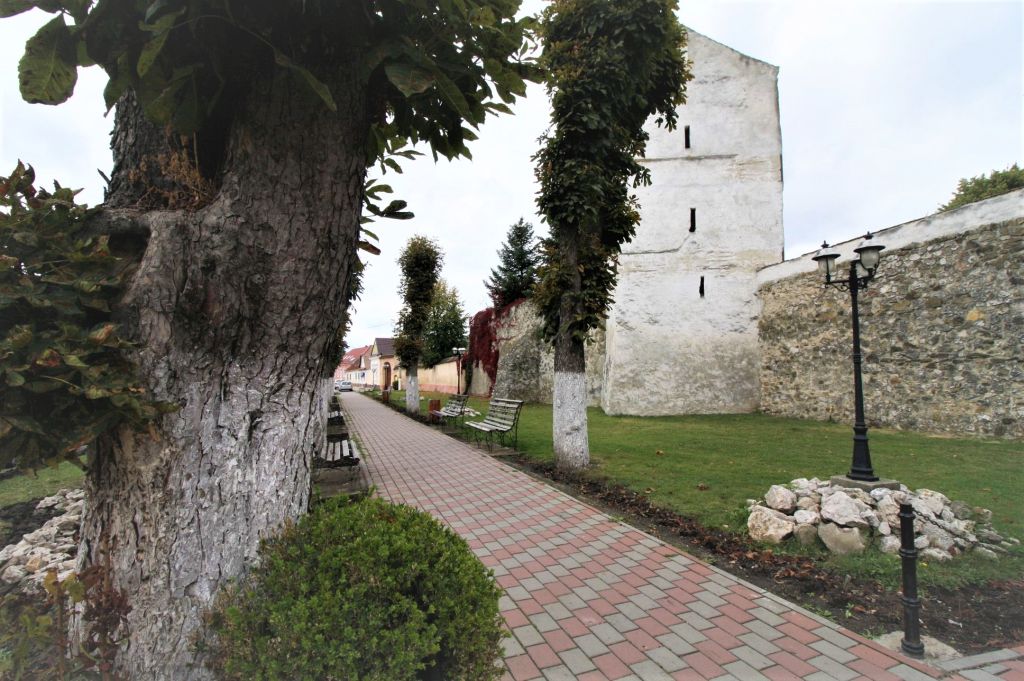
<point x="420" y="263"/>
<point x="610" y="65"/>
<point x="242" y="139"/>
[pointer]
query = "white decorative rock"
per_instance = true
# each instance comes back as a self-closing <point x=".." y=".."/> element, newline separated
<point x="780" y="498"/>
<point x="841" y="540"/>
<point x="807" y="535"/>
<point x="13" y="574"/>
<point x="937" y="537"/>
<point x="937" y="555"/>
<point x="884" y="529"/>
<point x="765" y="524"/>
<point x="803" y="517"/>
<point x="889" y="511"/>
<point x="880" y="493"/>
<point x="809" y="503"/>
<point x="889" y="544"/>
<point x="844" y="510"/>
<point x="986" y="553"/>
<point x="935" y="501"/>
<point x="921" y="542"/>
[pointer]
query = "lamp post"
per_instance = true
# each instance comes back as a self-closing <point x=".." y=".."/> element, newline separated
<point x="458" y="368"/>
<point x="862" y="270"/>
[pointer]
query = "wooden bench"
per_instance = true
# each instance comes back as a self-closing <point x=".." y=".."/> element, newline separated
<point x="453" y="409"/>
<point x="339" y="449"/>
<point x="502" y="418"/>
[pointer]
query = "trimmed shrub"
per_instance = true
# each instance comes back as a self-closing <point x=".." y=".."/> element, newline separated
<point x="361" y="590"/>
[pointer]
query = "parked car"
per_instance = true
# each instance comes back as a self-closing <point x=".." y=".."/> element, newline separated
<point x="343" y="386"/>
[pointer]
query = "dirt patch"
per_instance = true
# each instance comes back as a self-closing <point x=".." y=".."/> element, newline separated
<point x="972" y="619"/>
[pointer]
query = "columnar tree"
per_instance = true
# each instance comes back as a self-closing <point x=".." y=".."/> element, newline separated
<point x="242" y="138"/>
<point x="446" y="325"/>
<point x="611" y="64"/>
<point x="516" y="274"/>
<point x="420" y="263"/>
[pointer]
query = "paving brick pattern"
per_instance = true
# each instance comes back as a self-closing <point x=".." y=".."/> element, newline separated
<point x="588" y="598"/>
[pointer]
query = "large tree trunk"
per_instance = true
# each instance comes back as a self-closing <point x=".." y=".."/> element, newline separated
<point x="569" y="403"/>
<point x="412" y="389"/>
<point x="235" y="308"/>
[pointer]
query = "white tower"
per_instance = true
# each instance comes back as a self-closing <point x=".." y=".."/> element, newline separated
<point x="682" y="334"/>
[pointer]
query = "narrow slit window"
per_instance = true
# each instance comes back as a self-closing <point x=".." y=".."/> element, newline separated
<point x="701" y="289"/>
<point x="693" y="219"/>
<point x="686" y="136"/>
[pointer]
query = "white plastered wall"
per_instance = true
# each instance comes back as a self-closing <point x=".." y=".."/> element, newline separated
<point x="669" y="350"/>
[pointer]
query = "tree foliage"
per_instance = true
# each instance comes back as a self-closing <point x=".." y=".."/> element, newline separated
<point x="446" y="325"/>
<point x="429" y="68"/>
<point x="64" y="377"/>
<point x="423" y="72"/>
<point x="516" y="274"/>
<point x="420" y="263"/>
<point x="971" y="189"/>
<point x="610" y="65"/>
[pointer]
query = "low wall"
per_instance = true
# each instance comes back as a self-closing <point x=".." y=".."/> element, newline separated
<point x="441" y="378"/>
<point x="942" y="328"/>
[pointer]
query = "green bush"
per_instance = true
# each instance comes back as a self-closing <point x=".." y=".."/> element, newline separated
<point x="360" y="590"/>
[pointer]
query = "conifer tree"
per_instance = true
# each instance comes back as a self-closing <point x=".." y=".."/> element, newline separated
<point x="516" y="274"/>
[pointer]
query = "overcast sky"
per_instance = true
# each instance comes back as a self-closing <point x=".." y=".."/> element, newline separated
<point x="885" y="104"/>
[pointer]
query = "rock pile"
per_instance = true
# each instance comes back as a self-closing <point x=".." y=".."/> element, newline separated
<point x="849" y="520"/>
<point x="53" y="546"/>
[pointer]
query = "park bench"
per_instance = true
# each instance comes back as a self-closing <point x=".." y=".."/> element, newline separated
<point x="339" y="450"/>
<point x="502" y="418"/>
<point x="453" y="409"/>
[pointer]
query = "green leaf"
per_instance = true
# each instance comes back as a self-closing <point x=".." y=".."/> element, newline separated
<point x="368" y="247"/>
<point x="48" y="72"/>
<point x="8" y="8"/>
<point x="314" y="83"/>
<point x="162" y="28"/>
<point x="408" y="78"/>
<point x="452" y="94"/>
<point x="14" y="379"/>
<point x="158" y="8"/>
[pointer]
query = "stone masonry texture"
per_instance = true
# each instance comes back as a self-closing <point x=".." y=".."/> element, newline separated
<point x="942" y="333"/>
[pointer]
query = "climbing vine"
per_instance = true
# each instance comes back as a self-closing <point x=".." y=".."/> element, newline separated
<point x="65" y="378"/>
<point x="609" y="66"/>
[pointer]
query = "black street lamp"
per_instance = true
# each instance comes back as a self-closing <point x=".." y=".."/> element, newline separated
<point x="458" y="369"/>
<point x="862" y="270"/>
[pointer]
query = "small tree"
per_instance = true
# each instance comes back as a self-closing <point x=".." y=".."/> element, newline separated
<point x="971" y="189"/>
<point x="610" y="65"/>
<point x="420" y="262"/>
<point x="516" y="274"/>
<point x="446" y="325"/>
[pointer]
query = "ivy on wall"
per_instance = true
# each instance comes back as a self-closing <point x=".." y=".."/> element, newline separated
<point x="65" y="378"/>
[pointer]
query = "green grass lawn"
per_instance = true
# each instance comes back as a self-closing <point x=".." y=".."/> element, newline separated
<point x="736" y="457"/>
<point x="43" y="483"/>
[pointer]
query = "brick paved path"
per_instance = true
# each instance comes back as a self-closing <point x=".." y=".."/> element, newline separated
<point x="588" y="597"/>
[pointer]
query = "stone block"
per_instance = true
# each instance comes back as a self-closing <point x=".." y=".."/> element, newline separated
<point x="765" y="524"/>
<point x="841" y="540"/>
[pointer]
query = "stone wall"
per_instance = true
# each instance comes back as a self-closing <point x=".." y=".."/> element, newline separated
<point x="526" y="363"/>
<point x="942" y="329"/>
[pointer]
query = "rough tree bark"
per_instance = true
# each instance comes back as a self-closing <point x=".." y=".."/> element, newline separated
<point x="412" y="389"/>
<point x="569" y="403"/>
<point x="234" y="307"/>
